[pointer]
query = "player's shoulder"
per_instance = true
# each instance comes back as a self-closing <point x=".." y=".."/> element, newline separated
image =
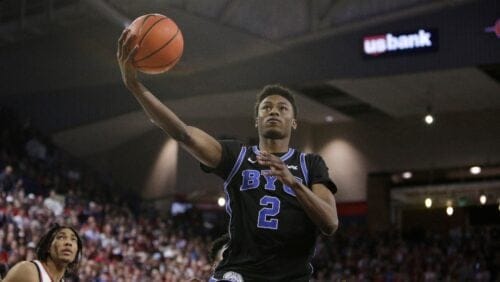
<point x="232" y="143"/>
<point x="314" y="160"/>
<point x="312" y="157"/>
<point x="22" y="271"/>
<point x="233" y="147"/>
<point x="25" y="266"/>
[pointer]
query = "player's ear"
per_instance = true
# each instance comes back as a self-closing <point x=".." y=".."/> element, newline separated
<point x="294" y="124"/>
<point x="256" y="122"/>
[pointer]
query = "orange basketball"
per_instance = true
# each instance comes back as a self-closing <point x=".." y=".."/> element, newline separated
<point x="160" y="43"/>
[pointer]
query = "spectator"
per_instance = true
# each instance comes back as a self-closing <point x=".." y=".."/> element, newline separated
<point x="54" y="203"/>
<point x="7" y="179"/>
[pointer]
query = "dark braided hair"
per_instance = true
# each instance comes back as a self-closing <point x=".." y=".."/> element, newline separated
<point x="217" y="245"/>
<point x="43" y="247"/>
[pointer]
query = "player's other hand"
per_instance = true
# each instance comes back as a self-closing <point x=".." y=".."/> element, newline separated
<point x="277" y="167"/>
<point x="125" y="54"/>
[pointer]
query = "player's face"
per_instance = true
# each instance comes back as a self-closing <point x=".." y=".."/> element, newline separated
<point x="64" y="247"/>
<point x="275" y="118"/>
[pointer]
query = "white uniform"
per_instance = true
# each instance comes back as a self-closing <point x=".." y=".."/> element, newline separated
<point x="42" y="273"/>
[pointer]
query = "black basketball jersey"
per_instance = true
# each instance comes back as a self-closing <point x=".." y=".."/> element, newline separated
<point x="271" y="236"/>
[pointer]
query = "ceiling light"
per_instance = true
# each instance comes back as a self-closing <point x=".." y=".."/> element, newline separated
<point x="449" y="211"/>
<point x="221" y="201"/>
<point x="475" y="169"/>
<point x="428" y="203"/>
<point x="482" y="199"/>
<point x="407" y="174"/>
<point x="429" y="119"/>
<point x="329" y="119"/>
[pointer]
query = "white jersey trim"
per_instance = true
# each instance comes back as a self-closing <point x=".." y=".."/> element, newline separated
<point x="42" y="272"/>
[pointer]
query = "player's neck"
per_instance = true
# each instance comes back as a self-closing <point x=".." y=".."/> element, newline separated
<point x="274" y="145"/>
<point x="55" y="270"/>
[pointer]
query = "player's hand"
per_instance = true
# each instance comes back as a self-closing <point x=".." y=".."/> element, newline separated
<point x="124" y="55"/>
<point x="277" y="168"/>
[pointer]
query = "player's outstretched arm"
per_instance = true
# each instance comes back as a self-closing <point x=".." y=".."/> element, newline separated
<point x="198" y="143"/>
<point x="24" y="271"/>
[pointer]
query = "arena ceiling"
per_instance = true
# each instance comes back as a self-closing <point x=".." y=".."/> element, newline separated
<point x="58" y="61"/>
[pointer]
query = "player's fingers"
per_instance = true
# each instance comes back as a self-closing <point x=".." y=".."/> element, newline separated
<point x="122" y="50"/>
<point x="132" y="53"/>
<point x="123" y="35"/>
<point x="261" y="158"/>
<point x="265" y="156"/>
<point x="275" y="162"/>
<point x="126" y="45"/>
<point x="274" y="159"/>
<point x="270" y="160"/>
<point x="276" y="171"/>
<point x="118" y="50"/>
<point x="120" y="43"/>
<point x="271" y="172"/>
<point x="279" y="167"/>
<point x="262" y="161"/>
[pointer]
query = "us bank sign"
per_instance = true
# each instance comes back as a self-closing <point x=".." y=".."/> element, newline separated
<point x="421" y="40"/>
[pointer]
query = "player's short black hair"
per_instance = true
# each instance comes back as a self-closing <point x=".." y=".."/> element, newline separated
<point x="43" y="247"/>
<point x="275" y="89"/>
<point x="217" y="245"/>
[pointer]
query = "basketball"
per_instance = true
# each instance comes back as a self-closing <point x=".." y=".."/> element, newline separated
<point x="160" y="43"/>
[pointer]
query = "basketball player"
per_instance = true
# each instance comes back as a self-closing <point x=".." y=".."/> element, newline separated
<point x="58" y="253"/>
<point x="278" y="198"/>
<point x="219" y="245"/>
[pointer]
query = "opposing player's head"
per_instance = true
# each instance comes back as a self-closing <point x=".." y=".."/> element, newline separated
<point x="219" y="245"/>
<point x="275" y="112"/>
<point x="62" y="245"/>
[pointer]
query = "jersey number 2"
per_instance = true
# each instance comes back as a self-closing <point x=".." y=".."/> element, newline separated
<point x="271" y="208"/>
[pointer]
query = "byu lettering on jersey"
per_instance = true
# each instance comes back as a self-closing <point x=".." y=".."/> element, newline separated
<point x="272" y="238"/>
